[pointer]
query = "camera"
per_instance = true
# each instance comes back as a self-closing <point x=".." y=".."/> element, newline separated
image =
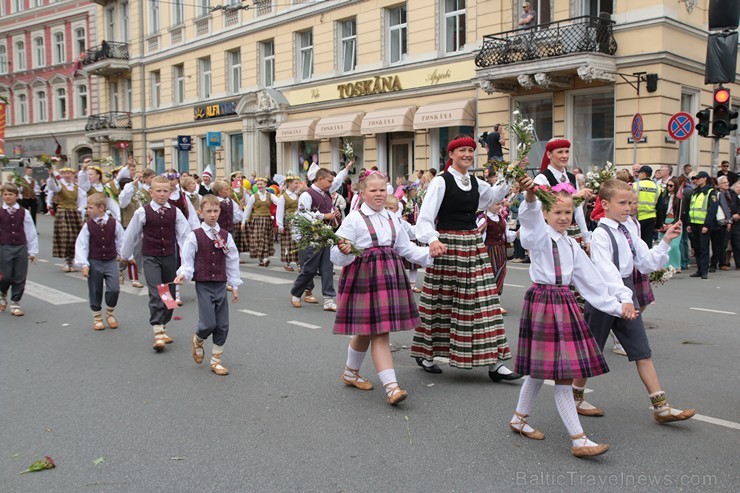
<point x="483" y="139"/>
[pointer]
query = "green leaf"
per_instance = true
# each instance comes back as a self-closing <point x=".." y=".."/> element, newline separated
<point x="99" y="461"/>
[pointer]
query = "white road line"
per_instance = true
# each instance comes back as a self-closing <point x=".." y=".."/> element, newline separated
<point x="516" y="267"/>
<point x="301" y="324"/>
<point x="51" y="295"/>
<point x="43" y="261"/>
<point x="125" y="288"/>
<point x="513" y="285"/>
<point x="711" y="311"/>
<point x="256" y="314"/>
<point x="267" y="279"/>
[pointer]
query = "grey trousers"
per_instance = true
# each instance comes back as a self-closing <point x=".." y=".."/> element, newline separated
<point x="14" y="268"/>
<point x="159" y="270"/>
<point x="103" y="271"/>
<point x="213" y="311"/>
<point x="315" y="260"/>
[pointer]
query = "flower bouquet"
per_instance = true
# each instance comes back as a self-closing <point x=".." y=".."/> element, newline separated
<point x="660" y="277"/>
<point x="48" y="161"/>
<point x="106" y="161"/>
<point x="142" y="197"/>
<point x="596" y="176"/>
<point x="545" y="195"/>
<point x="45" y="463"/>
<point x="315" y="234"/>
<point x="17" y="180"/>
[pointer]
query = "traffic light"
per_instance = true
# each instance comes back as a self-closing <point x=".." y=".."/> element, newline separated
<point x="722" y="114"/>
<point x="702" y="126"/>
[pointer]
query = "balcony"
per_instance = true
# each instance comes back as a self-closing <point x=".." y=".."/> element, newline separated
<point x="108" y="59"/>
<point x="114" y="126"/>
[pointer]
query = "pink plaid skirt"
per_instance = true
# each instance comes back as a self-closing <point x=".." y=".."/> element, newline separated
<point x="643" y="289"/>
<point x="375" y="295"/>
<point x="554" y="340"/>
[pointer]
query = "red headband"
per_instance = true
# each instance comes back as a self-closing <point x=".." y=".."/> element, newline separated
<point x="551" y="146"/>
<point x="460" y="142"/>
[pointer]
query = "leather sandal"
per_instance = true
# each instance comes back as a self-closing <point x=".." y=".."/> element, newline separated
<point x="519" y="428"/>
<point x="296" y="304"/>
<point x="110" y="319"/>
<point x="137" y="284"/>
<point x="16" y="311"/>
<point x="66" y="268"/>
<point x="98" y="325"/>
<point x="415" y="289"/>
<point x="167" y="339"/>
<point x="3" y="304"/>
<point x="394" y="394"/>
<point x="310" y="298"/>
<point x="159" y="343"/>
<point x="178" y="301"/>
<point x="288" y="268"/>
<point x="218" y="368"/>
<point x="267" y="263"/>
<point x="330" y="306"/>
<point x="587" y="450"/>
<point x="670" y="417"/>
<point x="595" y="411"/>
<point x="198" y="351"/>
<point x="356" y="380"/>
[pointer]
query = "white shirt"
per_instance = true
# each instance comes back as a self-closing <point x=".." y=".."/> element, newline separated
<point x="280" y="213"/>
<point x="426" y="230"/>
<point x="355" y="230"/>
<point x="32" y="237"/>
<point x="252" y="198"/>
<point x="190" y="248"/>
<point x="82" y="245"/>
<point x="55" y="185"/>
<point x="135" y="229"/>
<point x="510" y="235"/>
<point x="576" y="268"/>
<point x="192" y="218"/>
<point x="127" y="194"/>
<point x="578" y="215"/>
<point x="236" y="211"/>
<point x="83" y="187"/>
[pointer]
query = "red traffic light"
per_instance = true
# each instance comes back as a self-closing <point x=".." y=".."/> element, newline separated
<point x="721" y="96"/>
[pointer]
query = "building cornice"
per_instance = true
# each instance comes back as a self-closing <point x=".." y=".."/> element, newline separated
<point x="49" y="18"/>
<point x="658" y="22"/>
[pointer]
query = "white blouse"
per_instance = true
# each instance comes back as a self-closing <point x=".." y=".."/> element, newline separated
<point x="280" y="213"/>
<point x="578" y="215"/>
<point x="251" y="200"/>
<point x="646" y="261"/>
<point x="355" y="230"/>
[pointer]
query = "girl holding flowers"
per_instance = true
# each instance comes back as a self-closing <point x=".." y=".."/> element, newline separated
<point x="68" y="220"/>
<point x="257" y="213"/>
<point x="287" y="205"/>
<point x="90" y="181"/>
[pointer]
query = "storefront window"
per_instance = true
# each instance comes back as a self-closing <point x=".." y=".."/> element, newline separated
<point x="308" y="152"/>
<point x="442" y="136"/>
<point x="207" y="154"/>
<point x="159" y="163"/>
<point x="183" y="160"/>
<point x="237" y="152"/>
<point x="357" y="144"/>
<point x="593" y="130"/>
<point x="540" y="110"/>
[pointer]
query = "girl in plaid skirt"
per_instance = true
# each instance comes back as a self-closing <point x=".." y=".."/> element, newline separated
<point x="68" y="220"/>
<point x="554" y="340"/>
<point x="287" y="205"/>
<point x="375" y="296"/>
<point x="257" y="213"/>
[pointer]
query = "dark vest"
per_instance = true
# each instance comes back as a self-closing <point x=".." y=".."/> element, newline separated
<point x="202" y="191"/>
<point x="102" y="240"/>
<point x="210" y="262"/>
<point x="28" y="190"/>
<point x="320" y="201"/>
<point x="160" y="232"/>
<point x="458" y="208"/>
<point x="496" y="232"/>
<point x="226" y="217"/>
<point x="181" y="204"/>
<point x="554" y="181"/>
<point x="11" y="227"/>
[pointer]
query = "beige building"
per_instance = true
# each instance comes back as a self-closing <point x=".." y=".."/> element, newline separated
<point x="273" y="87"/>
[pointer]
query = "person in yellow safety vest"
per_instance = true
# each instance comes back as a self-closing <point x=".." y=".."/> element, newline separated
<point x="700" y="213"/>
<point x="647" y="204"/>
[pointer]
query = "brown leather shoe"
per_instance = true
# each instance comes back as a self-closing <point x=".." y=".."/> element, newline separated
<point x="596" y="412"/>
<point x="310" y="298"/>
<point x="167" y="339"/>
<point x="725" y="267"/>
<point x="111" y="320"/>
<point x="198" y="351"/>
<point x="588" y="451"/>
<point x="296" y="304"/>
<point x="159" y="343"/>
<point x="218" y="368"/>
<point x="98" y="325"/>
<point x="519" y="428"/>
<point x="356" y="380"/>
<point x="396" y="394"/>
<point x="670" y="418"/>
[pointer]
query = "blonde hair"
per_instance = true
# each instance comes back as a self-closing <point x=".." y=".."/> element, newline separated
<point x="160" y="179"/>
<point x="392" y="201"/>
<point x="9" y="187"/>
<point x="610" y="188"/>
<point x="219" y="185"/>
<point x="185" y="181"/>
<point x="209" y="199"/>
<point x="97" y="199"/>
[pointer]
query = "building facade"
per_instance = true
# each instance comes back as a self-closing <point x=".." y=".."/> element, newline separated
<point x="49" y="101"/>
<point x="275" y="86"/>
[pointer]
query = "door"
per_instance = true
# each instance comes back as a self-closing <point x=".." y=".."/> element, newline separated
<point x="401" y="158"/>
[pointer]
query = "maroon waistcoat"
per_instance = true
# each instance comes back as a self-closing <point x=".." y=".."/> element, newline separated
<point x="320" y="201"/>
<point x="11" y="227"/>
<point x="160" y="233"/>
<point x="181" y="204"/>
<point x="210" y="262"/>
<point x="226" y="217"/>
<point x="102" y="240"/>
<point x="496" y="232"/>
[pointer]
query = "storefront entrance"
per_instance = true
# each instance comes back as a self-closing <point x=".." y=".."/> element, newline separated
<point x="401" y="158"/>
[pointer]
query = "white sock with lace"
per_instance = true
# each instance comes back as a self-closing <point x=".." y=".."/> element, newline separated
<point x="527" y="395"/>
<point x="354" y="361"/>
<point x="388" y="377"/>
<point x="568" y="413"/>
<point x="500" y="369"/>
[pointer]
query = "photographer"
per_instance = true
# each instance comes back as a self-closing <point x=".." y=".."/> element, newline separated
<point x="494" y="142"/>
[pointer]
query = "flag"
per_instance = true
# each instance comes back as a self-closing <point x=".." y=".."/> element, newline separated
<point x="166" y="295"/>
<point x="77" y="65"/>
<point x="2" y="128"/>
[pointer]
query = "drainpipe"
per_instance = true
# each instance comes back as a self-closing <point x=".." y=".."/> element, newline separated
<point x="143" y="82"/>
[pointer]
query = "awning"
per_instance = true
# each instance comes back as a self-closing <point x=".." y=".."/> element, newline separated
<point x="447" y="114"/>
<point x="296" y="130"/>
<point x="389" y="120"/>
<point x="347" y="125"/>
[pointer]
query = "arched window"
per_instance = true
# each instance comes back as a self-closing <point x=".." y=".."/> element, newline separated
<point x="81" y="100"/>
<point x="59" y="49"/>
<point x="39" y="53"/>
<point x="61" y="103"/>
<point x="42" y="112"/>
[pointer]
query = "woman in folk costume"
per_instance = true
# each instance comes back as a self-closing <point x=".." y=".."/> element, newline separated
<point x="179" y="200"/>
<point x="239" y="194"/>
<point x="68" y="220"/>
<point x="190" y="188"/>
<point x="496" y="235"/>
<point x="460" y="312"/>
<point x="287" y="205"/>
<point x="90" y="181"/>
<point x="257" y="213"/>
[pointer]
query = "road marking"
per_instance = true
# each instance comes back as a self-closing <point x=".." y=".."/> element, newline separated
<point x="301" y="324"/>
<point x="513" y="285"/>
<point x="51" y="295"/>
<point x="43" y="261"/>
<point x="267" y="279"/>
<point x="711" y="311"/>
<point x="124" y="288"/>
<point x="256" y="314"/>
<point x="714" y="421"/>
<point x="516" y="267"/>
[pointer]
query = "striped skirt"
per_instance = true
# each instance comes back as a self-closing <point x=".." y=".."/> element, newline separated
<point x="261" y="238"/>
<point x="554" y="340"/>
<point x="460" y="311"/>
<point x="375" y="295"/>
<point x="288" y="245"/>
<point x="67" y="226"/>
<point x="497" y="254"/>
<point x="643" y="289"/>
<point x="241" y="238"/>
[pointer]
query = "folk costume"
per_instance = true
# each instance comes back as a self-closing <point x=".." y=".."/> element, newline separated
<point x="496" y="236"/>
<point x="29" y="195"/>
<point x="67" y="220"/>
<point x="87" y="188"/>
<point x="240" y="236"/>
<point x="18" y="241"/>
<point x="287" y="205"/>
<point x="261" y="237"/>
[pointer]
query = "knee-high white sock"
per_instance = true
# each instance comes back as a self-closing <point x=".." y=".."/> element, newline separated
<point x="527" y="395"/>
<point x="568" y="413"/>
<point x="412" y="276"/>
<point x="354" y="358"/>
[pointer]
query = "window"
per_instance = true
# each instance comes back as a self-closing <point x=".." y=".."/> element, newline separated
<point x="235" y="71"/>
<point x="17" y="5"/>
<point x="178" y="12"/>
<point x="305" y="55"/>
<point x="348" y="33"/>
<point x="268" y="63"/>
<point x="203" y="8"/>
<point x="42" y="113"/>
<point x="126" y="94"/>
<point x="80" y="41"/>
<point x="38" y="3"/>
<point x="22" y="112"/>
<point x="59" y="53"/>
<point x="204" y="66"/>
<point x="153" y="16"/>
<point x="540" y="7"/>
<point x="593" y="129"/>
<point x="540" y="110"/>
<point x="124" y="21"/>
<point x="3" y="60"/>
<point x="110" y="23"/>
<point x="114" y="97"/>
<point x="60" y="111"/>
<point x="454" y="25"/>
<point x="208" y="154"/>
<point x="397" y="34"/>
<point x="39" y="54"/>
<point x="20" y="56"/>
<point x="178" y="76"/>
<point x="156" y="90"/>
<point x="82" y="100"/>
<point x="595" y="7"/>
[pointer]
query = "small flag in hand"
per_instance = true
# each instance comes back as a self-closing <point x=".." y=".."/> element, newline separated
<point x="166" y="295"/>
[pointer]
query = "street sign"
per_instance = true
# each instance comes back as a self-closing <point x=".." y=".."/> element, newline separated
<point x="681" y="126"/>
<point x="214" y="139"/>
<point x="638" y="127"/>
<point x="184" y="143"/>
<point x="643" y="140"/>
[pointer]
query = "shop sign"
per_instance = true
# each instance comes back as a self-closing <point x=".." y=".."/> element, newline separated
<point x="214" y="139"/>
<point x="376" y="85"/>
<point x="215" y="110"/>
<point x="184" y="143"/>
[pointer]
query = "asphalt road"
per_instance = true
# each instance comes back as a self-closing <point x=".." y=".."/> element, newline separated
<point x="282" y="420"/>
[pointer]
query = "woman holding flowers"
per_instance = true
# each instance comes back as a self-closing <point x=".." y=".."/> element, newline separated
<point x="68" y="220"/>
<point x="90" y="181"/>
<point x="257" y="212"/>
<point x="287" y="205"/>
<point x="460" y="312"/>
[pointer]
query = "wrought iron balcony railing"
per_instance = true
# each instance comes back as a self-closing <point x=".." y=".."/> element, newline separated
<point x="110" y="120"/>
<point x="106" y="50"/>
<point x="577" y="35"/>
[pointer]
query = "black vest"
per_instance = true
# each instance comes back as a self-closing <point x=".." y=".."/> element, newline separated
<point x="457" y="212"/>
<point x="554" y="181"/>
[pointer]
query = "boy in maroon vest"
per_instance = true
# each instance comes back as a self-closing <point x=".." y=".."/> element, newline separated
<point x="19" y="243"/>
<point x="96" y="252"/>
<point x="164" y="228"/>
<point x="211" y="259"/>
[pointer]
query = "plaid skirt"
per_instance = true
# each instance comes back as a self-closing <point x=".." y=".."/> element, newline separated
<point x="288" y="245"/>
<point x="408" y="265"/>
<point x="241" y="238"/>
<point x="375" y="295"/>
<point x="459" y="309"/>
<point x="643" y="289"/>
<point x="554" y="340"/>
<point x="497" y="254"/>
<point x="261" y="238"/>
<point x="67" y="226"/>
